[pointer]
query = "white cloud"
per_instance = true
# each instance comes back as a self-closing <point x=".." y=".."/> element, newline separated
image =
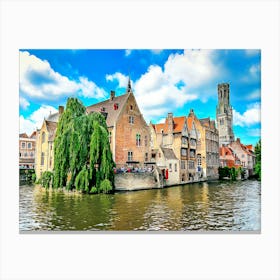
<point x="90" y="89"/>
<point x="158" y="91"/>
<point x="164" y="89"/>
<point x="157" y="51"/>
<point x="254" y="95"/>
<point x="35" y="120"/>
<point x="193" y="67"/>
<point x="253" y="74"/>
<point x="128" y="52"/>
<point x="250" y="117"/>
<point x="39" y="80"/>
<point x="157" y="95"/>
<point x="252" y="52"/>
<point x="24" y="104"/>
<point x="122" y="79"/>
<point x="255" y="70"/>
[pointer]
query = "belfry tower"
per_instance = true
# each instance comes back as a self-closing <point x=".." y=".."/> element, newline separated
<point x="224" y="115"/>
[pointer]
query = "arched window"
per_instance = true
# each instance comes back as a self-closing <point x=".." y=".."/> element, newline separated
<point x="43" y="137"/>
<point x="42" y="158"/>
<point x="29" y="145"/>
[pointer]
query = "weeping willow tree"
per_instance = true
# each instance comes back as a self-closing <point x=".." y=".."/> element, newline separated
<point x="82" y="155"/>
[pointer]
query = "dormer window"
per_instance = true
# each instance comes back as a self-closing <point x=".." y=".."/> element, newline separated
<point x="116" y="106"/>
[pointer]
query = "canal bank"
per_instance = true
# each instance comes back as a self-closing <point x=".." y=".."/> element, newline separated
<point x="132" y="181"/>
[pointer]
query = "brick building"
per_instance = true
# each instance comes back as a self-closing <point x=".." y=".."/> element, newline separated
<point x="229" y="158"/>
<point x="245" y="154"/>
<point x="207" y="146"/>
<point x="129" y="134"/>
<point x="27" y="145"/>
<point x="178" y="134"/>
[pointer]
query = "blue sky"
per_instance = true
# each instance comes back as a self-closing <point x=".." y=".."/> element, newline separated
<point x="162" y="80"/>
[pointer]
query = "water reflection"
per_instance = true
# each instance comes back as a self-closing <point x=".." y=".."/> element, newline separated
<point x="206" y="206"/>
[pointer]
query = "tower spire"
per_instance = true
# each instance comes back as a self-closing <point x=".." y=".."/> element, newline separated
<point x="128" y="85"/>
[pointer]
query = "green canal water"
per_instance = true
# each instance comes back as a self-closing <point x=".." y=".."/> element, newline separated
<point x="223" y="206"/>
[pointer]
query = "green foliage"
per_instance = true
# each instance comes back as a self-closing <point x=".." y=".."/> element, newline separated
<point x="226" y="172"/>
<point x="106" y="186"/>
<point x="82" y="155"/>
<point x="46" y="179"/>
<point x="258" y="167"/>
<point x="81" y="181"/>
<point x="33" y="176"/>
<point x="233" y="174"/>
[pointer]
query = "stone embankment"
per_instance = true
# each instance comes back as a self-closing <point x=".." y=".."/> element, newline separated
<point x="143" y="181"/>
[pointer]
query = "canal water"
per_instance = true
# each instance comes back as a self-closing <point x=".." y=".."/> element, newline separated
<point x="222" y="206"/>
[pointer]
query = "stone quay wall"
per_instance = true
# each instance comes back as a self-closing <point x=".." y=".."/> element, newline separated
<point x="137" y="181"/>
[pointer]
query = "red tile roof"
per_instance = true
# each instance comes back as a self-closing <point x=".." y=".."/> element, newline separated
<point x="178" y="125"/>
<point x="23" y="135"/>
<point x="159" y="127"/>
<point x="227" y="156"/>
<point x="190" y="122"/>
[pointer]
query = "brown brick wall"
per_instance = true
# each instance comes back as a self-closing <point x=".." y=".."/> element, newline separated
<point x="125" y="137"/>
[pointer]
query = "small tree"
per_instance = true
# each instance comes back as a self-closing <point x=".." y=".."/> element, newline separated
<point x="46" y="179"/>
<point x="233" y="174"/>
<point x="106" y="186"/>
<point x="258" y="168"/>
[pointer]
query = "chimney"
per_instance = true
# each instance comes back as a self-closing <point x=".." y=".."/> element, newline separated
<point x="60" y="110"/>
<point x="112" y="95"/>
<point x="170" y="123"/>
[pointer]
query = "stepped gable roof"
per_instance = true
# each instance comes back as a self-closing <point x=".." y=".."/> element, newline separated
<point x="226" y="151"/>
<point x="51" y="127"/>
<point x="228" y="156"/>
<point x="205" y="122"/>
<point x="250" y="147"/>
<point x="168" y="153"/>
<point x="190" y="122"/>
<point x="108" y="106"/>
<point x="23" y="135"/>
<point x="212" y="124"/>
<point x="246" y="150"/>
<point x="53" y="117"/>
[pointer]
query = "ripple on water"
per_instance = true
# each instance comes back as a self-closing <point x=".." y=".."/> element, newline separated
<point x="225" y="206"/>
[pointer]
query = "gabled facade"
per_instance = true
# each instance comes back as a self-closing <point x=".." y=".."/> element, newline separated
<point x="164" y="159"/>
<point x="211" y="140"/>
<point x="180" y="135"/>
<point x="246" y="156"/>
<point x="27" y="150"/>
<point x="193" y="148"/>
<point x="129" y="134"/>
<point x="175" y="135"/>
<point x="228" y="158"/>
<point x="44" y="160"/>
